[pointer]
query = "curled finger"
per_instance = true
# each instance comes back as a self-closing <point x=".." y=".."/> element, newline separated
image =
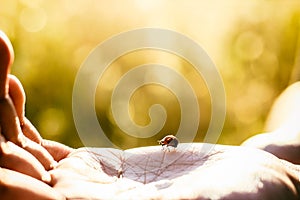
<point x="17" y="159"/>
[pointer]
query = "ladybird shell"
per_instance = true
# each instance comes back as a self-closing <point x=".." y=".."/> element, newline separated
<point x="169" y="140"/>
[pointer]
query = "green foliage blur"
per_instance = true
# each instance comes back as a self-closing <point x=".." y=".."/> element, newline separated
<point x="254" y="44"/>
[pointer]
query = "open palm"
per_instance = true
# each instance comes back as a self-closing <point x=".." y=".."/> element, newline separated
<point x="189" y="172"/>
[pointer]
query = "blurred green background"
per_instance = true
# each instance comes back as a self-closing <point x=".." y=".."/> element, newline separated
<point x="254" y="44"/>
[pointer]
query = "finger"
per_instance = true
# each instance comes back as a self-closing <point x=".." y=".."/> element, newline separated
<point x="8" y="118"/>
<point x="30" y="131"/>
<point x="40" y="153"/>
<point x="17" y="95"/>
<point x="10" y="127"/>
<point x="6" y="60"/>
<point x="57" y="150"/>
<point x="14" y="185"/>
<point x="17" y="159"/>
<point x="48" y="152"/>
<point x="10" y="124"/>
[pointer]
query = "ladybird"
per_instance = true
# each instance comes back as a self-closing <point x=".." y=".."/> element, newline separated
<point x="169" y="140"/>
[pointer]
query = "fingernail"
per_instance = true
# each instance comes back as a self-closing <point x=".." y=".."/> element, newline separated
<point x="46" y="177"/>
<point x="53" y="165"/>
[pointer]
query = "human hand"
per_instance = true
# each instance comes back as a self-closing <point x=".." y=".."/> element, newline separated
<point x="282" y="137"/>
<point x="225" y="172"/>
<point x="12" y="101"/>
<point x="144" y="173"/>
<point x="24" y="156"/>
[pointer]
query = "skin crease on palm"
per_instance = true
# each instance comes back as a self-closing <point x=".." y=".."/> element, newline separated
<point x="191" y="171"/>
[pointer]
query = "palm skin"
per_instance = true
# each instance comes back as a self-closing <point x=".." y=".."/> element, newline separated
<point x="225" y="172"/>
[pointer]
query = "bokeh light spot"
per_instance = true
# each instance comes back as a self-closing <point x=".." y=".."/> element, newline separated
<point x="33" y="19"/>
<point x="249" y="45"/>
<point x="51" y="123"/>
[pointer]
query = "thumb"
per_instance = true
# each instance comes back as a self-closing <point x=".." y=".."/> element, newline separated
<point x="6" y="60"/>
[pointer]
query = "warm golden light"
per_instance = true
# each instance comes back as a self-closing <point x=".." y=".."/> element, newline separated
<point x="254" y="44"/>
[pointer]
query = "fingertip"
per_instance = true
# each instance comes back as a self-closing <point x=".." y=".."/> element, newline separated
<point x="6" y="60"/>
<point x="17" y="159"/>
<point x="53" y="165"/>
<point x="40" y="153"/>
<point x="7" y="49"/>
<point x="46" y="177"/>
<point x="57" y="150"/>
<point x="53" y="178"/>
<point x="30" y="131"/>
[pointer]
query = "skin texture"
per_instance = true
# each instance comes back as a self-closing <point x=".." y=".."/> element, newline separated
<point x="225" y="172"/>
<point x="25" y="157"/>
<point x="12" y="103"/>
<point x="15" y="185"/>
<point x="29" y="169"/>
